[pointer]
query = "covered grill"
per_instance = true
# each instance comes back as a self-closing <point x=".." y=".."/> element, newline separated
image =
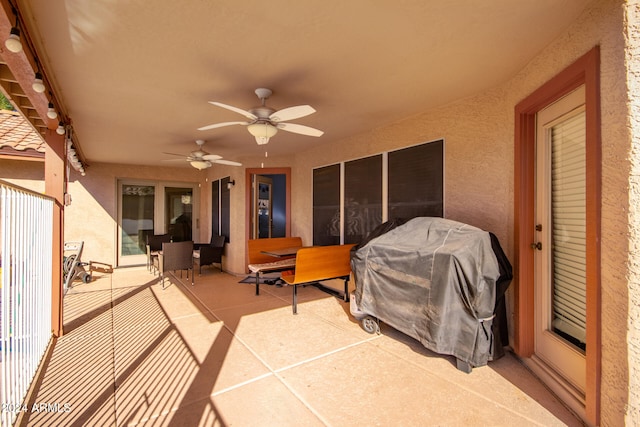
<point x="439" y="281"/>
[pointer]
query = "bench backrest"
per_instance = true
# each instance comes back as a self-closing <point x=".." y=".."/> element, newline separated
<point x="255" y="246"/>
<point x="322" y="262"/>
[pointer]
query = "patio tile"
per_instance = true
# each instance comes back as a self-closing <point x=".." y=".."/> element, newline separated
<point x="224" y="359"/>
<point x="266" y="402"/>
<point x="125" y="277"/>
<point x="223" y="290"/>
<point x="175" y="302"/>
<point x="154" y="377"/>
<point x="137" y="307"/>
<point x="281" y="339"/>
<point x="78" y="383"/>
<point x="390" y="391"/>
<point x="217" y="354"/>
<point x="508" y="381"/>
<point x="85" y="310"/>
<point x="202" y="413"/>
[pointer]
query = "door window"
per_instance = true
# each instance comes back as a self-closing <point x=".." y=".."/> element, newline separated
<point x="179" y="213"/>
<point x="560" y="250"/>
<point x="137" y="218"/>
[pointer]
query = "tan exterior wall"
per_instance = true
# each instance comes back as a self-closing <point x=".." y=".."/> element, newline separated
<point x="632" y="319"/>
<point x="25" y="174"/>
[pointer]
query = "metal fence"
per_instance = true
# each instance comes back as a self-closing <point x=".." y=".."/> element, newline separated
<point x="26" y="227"/>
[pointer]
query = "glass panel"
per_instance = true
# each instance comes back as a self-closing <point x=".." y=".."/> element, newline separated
<point x="568" y="194"/>
<point x="416" y="181"/>
<point x="264" y="210"/>
<point x="225" y="209"/>
<point x="326" y="205"/>
<point x="137" y="218"/>
<point x="178" y="213"/>
<point x="278" y="205"/>
<point x="363" y="197"/>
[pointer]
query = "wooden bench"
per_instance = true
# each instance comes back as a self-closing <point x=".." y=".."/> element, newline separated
<point x="260" y="262"/>
<point x="319" y="263"/>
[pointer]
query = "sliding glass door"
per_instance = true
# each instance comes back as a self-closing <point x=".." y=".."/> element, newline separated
<point x="153" y="207"/>
<point x="136" y="220"/>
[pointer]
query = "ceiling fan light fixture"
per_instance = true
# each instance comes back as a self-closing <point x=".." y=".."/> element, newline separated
<point x="200" y="164"/>
<point x="262" y="131"/>
<point x="13" y="42"/>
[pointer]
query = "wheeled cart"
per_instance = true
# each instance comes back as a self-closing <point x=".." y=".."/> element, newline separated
<point x="72" y="266"/>
<point x="439" y="281"/>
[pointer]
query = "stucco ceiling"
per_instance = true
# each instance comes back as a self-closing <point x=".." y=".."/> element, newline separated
<point x="135" y="76"/>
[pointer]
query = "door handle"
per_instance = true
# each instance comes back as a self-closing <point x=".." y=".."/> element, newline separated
<point x="537" y="246"/>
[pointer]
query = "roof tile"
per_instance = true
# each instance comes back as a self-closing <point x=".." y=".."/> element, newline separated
<point x="16" y="133"/>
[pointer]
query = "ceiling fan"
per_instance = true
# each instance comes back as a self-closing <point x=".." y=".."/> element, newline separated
<point x="264" y="121"/>
<point x="200" y="159"/>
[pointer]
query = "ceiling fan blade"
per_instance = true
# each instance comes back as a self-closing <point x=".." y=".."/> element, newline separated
<point x="226" y="162"/>
<point x="292" y="113"/>
<point x="211" y="157"/>
<point x="301" y="129"/>
<point x="175" y="160"/>
<point x="174" y="154"/>
<point x="219" y="125"/>
<point x="245" y="113"/>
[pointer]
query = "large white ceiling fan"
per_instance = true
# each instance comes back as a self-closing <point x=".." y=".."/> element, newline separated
<point x="200" y="159"/>
<point x="264" y="121"/>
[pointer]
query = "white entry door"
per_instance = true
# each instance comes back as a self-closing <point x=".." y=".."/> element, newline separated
<point x="560" y="255"/>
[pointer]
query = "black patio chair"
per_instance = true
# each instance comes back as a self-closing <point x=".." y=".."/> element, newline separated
<point x="209" y="253"/>
<point x="154" y="245"/>
<point x="175" y="256"/>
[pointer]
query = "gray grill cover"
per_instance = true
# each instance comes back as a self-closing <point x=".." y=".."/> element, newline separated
<point x="435" y="280"/>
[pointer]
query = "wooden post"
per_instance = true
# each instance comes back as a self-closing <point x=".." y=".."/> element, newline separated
<point x="54" y="184"/>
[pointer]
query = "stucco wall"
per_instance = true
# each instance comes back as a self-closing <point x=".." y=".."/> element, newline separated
<point x="633" y="319"/>
<point x="26" y="174"/>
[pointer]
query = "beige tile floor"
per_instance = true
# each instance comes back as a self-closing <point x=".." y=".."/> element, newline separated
<point x="215" y="354"/>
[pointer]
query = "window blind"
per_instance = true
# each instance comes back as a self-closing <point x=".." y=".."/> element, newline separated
<point x="362" y="197"/>
<point x="326" y="205"/>
<point x="568" y="194"/>
<point x="416" y="178"/>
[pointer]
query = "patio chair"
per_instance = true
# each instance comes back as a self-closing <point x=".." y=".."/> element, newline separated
<point x="154" y="245"/>
<point x="175" y="256"/>
<point x="209" y="253"/>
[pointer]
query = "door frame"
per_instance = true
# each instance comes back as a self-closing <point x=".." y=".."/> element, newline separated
<point x="584" y="71"/>
<point x="248" y="195"/>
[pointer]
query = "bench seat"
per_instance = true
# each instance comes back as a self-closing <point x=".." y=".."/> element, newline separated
<point x="320" y="263"/>
<point x="260" y="262"/>
<point x="273" y="266"/>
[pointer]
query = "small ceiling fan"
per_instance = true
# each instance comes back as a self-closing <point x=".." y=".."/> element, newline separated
<point x="200" y="159"/>
<point x="264" y="121"/>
